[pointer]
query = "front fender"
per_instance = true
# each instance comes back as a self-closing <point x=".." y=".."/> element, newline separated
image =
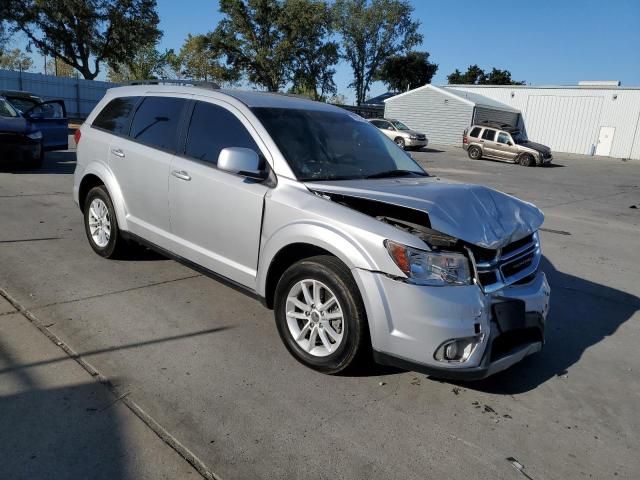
<point x="318" y="234"/>
<point x="106" y="175"/>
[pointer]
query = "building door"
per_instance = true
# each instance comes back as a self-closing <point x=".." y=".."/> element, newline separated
<point x="604" y="141"/>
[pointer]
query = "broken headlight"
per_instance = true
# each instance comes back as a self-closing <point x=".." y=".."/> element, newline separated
<point x="430" y="268"/>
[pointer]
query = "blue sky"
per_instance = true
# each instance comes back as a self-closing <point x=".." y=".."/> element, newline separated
<point x="541" y="42"/>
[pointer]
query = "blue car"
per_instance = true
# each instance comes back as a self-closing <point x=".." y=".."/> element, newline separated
<point x="29" y="127"/>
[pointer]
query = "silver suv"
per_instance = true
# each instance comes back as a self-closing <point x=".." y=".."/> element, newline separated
<point x="402" y="135"/>
<point x="505" y="143"/>
<point x="311" y="209"/>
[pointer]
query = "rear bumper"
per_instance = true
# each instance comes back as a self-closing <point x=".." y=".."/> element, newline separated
<point x="409" y="323"/>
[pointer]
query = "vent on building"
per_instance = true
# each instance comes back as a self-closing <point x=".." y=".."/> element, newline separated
<point x="599" y="83"/>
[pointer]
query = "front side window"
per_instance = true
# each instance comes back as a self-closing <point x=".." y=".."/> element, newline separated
<point x="400" y="125"/>
<point x="6" y="110"/>
<point x="155" y="123"/>
<point x="331" y="145"/>
<point x="475" y="132"/>
<point x="503" y="138"/>
<point x="115" y="116"/>
<point x="489" y="134"/>
<point x="213" y="128"/>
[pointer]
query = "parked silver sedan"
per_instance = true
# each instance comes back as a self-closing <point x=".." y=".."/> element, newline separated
<point x="402" y="135"/>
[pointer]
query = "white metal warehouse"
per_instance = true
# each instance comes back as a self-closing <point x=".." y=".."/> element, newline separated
<point x="600" y="119"/>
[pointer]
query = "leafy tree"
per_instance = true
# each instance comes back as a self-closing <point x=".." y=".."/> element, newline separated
<point x="147" y="63"/>
<point x="337" y="99"/>
<point x="197" y="60"/>
<point x="84" y="34"/>
<point x="306" y="25"/>
<point x="473" y="76"/>
<point x="476" y="76"/>
<point x="15" y="59"/>
<point x="372" y="31"/>
<point x="57" y="67"/>
<point x="408" y="71"/>
<point x="251" y="38"/>
<point x="501" y="77"/>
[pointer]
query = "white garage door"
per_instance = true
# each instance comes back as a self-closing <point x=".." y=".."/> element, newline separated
<point x="566" y="124"/>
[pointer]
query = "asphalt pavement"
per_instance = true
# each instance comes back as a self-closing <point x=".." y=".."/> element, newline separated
<point x="195" y="369"/>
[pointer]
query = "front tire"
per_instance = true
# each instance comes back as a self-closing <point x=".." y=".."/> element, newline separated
<point x="400" y="142"/>
<point x="526" y="160"/>
<point x="320" y="315"/>
<point x="474" y="153"/>
<point x="101" y="224"/>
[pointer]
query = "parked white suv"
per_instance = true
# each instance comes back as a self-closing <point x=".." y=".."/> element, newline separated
<point x="317" y="213"/>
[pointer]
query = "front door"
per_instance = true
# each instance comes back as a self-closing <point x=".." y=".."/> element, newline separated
<point x="50" y="118"/>
<point x="504" y="147"/>
<point x="216" y="216"/>
<point x="605" y="140"/>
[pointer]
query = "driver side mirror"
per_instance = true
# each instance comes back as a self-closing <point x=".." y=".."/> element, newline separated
<point x="241" y="161"/>
<point x="510" y="143"/>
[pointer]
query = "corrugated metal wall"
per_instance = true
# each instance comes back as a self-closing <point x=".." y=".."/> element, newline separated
<point x="442" y="118"/>
<point x="79" y="95"/>
<point x="501" y="116"/>
<point x="569" y="119"/>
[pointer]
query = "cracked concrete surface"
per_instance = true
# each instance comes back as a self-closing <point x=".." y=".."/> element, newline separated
<point x="206" y="363"/>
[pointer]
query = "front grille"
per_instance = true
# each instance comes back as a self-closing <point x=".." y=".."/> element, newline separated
<point x="421" y="137"/>
<point x="507" y="342"/>
<point x="511" y="264"/>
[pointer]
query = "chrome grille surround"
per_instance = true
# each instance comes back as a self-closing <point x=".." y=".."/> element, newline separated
<point x="510" y="267"/>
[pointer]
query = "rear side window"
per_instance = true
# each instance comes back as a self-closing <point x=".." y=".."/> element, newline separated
<point x="156" y="121"/>
<point x="213" y="128"/>
<point x="475" y="132"/>
<point x="489" y="134"/>
<point x="115" y="116"/>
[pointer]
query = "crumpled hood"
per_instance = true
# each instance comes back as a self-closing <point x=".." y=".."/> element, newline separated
<point x="473" y="213"/>
<point x="14" y="125"/>
<point x="538" y="147"/>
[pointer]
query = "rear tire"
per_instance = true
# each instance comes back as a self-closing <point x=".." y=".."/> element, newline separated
<point x="474" y="153"/>
<point x="101" y="224"/>
<point x="526" y="160"/>
<point x="320" y="315"/>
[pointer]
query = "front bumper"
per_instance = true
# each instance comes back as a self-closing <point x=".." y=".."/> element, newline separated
<point x="15" y="153"/>
<point x="409" y="322"/>
<point x="416" y="143"/>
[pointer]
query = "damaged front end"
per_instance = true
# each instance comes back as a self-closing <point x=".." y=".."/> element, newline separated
<point x="495" y="315"/>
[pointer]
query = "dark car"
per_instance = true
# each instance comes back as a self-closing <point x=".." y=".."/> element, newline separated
<point x="49" y="116"/>
<point x="20" y="140"/>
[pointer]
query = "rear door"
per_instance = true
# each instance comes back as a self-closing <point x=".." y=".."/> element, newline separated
<point x="489" y="144"/>
<point x="141" y="161"/>
<point x="50" y="118"/>
<point x="217" y="215"/>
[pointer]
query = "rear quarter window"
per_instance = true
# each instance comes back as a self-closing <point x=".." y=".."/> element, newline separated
<point x="475" y="132"/>
<point x="115" y="116"/>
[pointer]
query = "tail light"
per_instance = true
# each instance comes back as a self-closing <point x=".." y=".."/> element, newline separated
<point x="76" y="136"/>
<point x="464" y="137"/>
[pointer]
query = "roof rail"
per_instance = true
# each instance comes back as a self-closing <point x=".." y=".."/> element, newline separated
<point x="175" y="81"/>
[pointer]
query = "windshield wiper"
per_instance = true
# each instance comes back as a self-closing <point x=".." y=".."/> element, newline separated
<point x="396" y="173"/>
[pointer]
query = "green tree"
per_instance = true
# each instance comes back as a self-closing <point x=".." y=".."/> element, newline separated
<point x="251" y="39"/>
<point x="404" y="72"/>
<point x="57" y="67"/>
<point x="84" y="34"/>
<point x="147" y="63"/>
<point x="307" y="25"/>
<point x="477" y="76"/>
<point x="198" y="60"/>
<point x="15" y="59"/>
<point x="372" y="31"/>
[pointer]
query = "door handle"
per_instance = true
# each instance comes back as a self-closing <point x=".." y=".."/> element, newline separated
<point x="181" y="174"/>
<point x="117" y="152"/>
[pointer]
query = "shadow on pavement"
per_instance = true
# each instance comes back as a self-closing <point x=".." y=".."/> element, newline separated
<point x="582" y="314"/>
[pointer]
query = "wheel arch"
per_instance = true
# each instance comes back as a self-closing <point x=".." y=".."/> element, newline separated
<point x="99" y="175"/>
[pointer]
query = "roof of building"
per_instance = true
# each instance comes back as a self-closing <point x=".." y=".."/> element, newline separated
<point x="379" y="100"/>
<point x="589" y="86"/>
<point x="466" y="97"/>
